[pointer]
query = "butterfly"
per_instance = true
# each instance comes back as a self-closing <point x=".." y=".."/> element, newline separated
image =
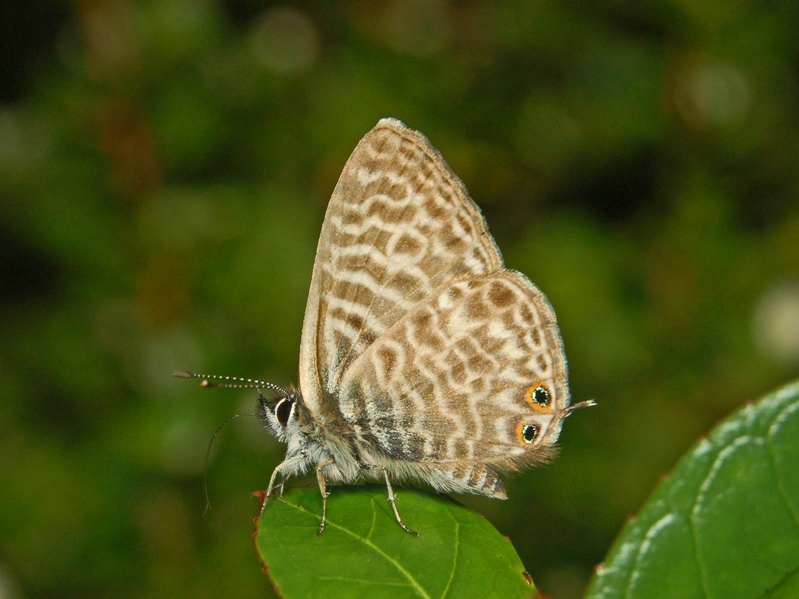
<point x="422" y="357"/>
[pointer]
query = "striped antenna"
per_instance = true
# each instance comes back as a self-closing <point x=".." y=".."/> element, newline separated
<point x="240" y="383"/>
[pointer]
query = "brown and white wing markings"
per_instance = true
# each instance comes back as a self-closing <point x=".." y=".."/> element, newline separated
<point x="399" y="225"/>
<point x="451" y="385"/>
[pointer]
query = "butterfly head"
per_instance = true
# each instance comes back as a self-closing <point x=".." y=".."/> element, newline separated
<point x="283" y="413"/>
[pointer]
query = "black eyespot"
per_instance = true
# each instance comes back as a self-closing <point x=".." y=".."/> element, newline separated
<point x="541" y="396"/>
<point x="283" y="410"/>
<point x="529" y="433"/>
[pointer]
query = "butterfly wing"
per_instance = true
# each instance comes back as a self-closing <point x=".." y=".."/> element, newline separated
<point x="470" y="381"/>
<point x="399" y="225"/>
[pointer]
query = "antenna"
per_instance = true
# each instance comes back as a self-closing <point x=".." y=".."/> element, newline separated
<point x="240" y="384"/>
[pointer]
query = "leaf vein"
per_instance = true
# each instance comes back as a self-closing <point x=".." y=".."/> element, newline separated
<point x="411" y="580"/>
<point x="454" y="558"/>
<point x="792" y="508"/>
<point x="387" y="583"/>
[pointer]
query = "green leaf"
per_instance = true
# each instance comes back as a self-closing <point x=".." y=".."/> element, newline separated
<point x="364" y="552"/>
<point x="788" y="587"/>
<point x="726" y="522"/>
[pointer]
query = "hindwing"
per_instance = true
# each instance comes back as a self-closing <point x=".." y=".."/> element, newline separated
<point x="460" y="376"/>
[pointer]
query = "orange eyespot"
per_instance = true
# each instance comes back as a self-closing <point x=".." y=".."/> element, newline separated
<point x="528" y="433"/>
<point x="538" y="396"/>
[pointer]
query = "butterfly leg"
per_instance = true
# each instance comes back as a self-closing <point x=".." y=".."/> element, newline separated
<point x="271" y="487"/>
<point x="391" y="496"/>
<point x="323" y="490"/>
<point x="282" y="484"/>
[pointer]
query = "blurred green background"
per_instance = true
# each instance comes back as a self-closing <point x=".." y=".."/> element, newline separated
<point x="164" y="171"/>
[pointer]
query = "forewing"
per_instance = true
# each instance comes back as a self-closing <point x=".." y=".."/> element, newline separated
<point x="458" y="378"/>
<point x="399" y="225"/>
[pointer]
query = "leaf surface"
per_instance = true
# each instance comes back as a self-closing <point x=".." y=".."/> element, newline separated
<point x="363" y="552"/>
<point x="726" y="522"/>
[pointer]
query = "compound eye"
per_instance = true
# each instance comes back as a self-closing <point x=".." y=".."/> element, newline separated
<point x="283" y="410"/>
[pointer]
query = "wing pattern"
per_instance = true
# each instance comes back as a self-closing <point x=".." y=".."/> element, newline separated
<point x="437" y="361"/>
<point x="399" y="224"/>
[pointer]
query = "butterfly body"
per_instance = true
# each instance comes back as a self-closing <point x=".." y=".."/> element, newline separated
<point x="310" y="441"/>
<point x="422" y="358"/>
